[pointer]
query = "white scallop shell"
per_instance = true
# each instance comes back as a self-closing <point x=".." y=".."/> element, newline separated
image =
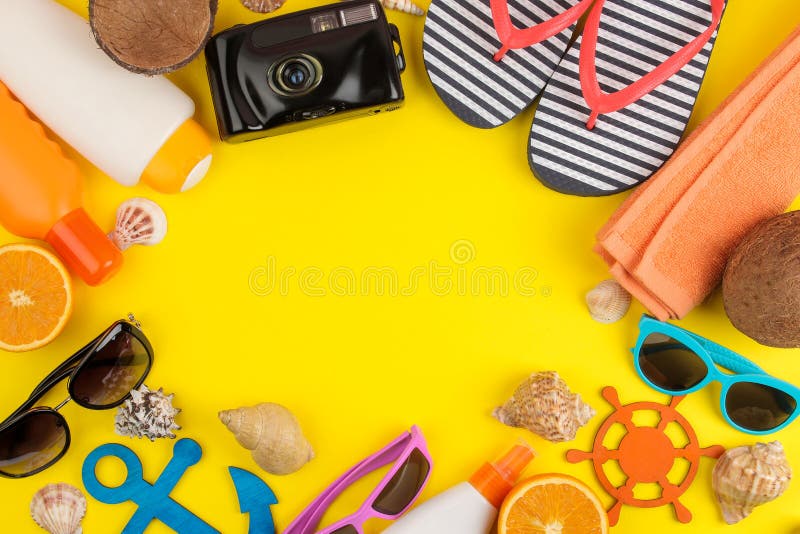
<point x="140" y="221"/>
<point x="59" y="508"/>
<point x="608" y="302"/>
<point x="746" y="477"/>
<point x="405" y="6"/>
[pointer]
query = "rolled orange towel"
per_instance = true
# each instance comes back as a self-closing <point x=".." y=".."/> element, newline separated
<point x="668" y="243"/>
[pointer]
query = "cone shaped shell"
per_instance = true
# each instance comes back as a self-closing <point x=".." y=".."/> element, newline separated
<point x="273" y="435"/>
<point x="749" y="476"/>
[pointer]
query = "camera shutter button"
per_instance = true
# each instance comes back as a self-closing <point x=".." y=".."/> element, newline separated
<point x="318" y="112"/>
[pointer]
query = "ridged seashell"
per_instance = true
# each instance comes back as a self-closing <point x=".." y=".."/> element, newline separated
<point x="745" y="477"/>
<point x="273" y="436"/>
<point x="263" y="6"/>
<point x="59" y="508"/>
<point x="140" y="221"/>
<point x="147" y="414"/>
<point x="406" y="6"/>
<point x="544" y="405"/>
<point x="608" y="302"/>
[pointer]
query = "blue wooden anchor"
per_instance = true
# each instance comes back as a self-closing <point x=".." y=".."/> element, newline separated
<point x="153" y="499"/>
<point x="255" y="498"/>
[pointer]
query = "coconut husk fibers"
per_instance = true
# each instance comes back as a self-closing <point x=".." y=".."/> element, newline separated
<point x="152" y="36"/>
<point x="761" y="285"/>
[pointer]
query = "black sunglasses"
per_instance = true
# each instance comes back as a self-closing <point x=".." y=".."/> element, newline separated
<point x="101" y="376"/>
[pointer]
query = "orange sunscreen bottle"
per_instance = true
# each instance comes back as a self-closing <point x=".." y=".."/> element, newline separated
<point x="40" y="196"/>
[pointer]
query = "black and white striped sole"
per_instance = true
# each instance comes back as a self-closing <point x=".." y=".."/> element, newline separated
<point x="628" y="146"/>
<point x="459" y="43"/>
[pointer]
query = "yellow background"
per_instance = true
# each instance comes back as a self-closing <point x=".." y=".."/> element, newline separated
<point x="392" y="191"/>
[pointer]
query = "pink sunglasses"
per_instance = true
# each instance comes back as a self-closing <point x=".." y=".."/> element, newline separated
<point x="391" y="498"/>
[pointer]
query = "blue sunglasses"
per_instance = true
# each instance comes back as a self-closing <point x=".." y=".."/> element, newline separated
<point x="675" y="361"/>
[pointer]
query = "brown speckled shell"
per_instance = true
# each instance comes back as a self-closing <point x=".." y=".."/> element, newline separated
<point x="544" y="405"/>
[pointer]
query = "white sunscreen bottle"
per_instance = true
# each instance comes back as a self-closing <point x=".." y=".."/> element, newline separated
<point x="133" y="127"/>
<point x="470" y="507"/>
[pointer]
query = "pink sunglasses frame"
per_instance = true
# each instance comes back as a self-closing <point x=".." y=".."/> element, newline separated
<point x="397" y="452"/>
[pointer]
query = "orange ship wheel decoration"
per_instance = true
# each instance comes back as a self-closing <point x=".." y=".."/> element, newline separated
<point x="645" y="455"/>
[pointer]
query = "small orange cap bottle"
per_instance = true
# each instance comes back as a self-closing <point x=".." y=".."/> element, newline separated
<point x="41" y="196"/>
<point x="495" y="480"/>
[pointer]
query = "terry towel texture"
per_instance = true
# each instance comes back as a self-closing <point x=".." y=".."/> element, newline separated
<point x="668" y="243"/>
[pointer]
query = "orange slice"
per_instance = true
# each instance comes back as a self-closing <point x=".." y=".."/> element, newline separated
<point x="552" y="504"/>
<point x="35" y="297"/>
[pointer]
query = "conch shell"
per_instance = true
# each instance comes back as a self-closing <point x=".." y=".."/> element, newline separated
<point x="273" y="435"/>
<point x="745" y="477"/>
<point x="262" y="6"/>
<point x="405" y="6"/>
<point x="140" y="221"/>
<point x="59" y="508"/>
<point x="544" y="405"/>
<point x="608" y="302"/>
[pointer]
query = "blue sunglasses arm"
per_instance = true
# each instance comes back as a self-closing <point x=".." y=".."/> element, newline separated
<point x="727" y="358"/>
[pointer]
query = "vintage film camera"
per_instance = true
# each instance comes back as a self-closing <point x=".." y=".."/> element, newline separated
<point x="304" y="69"/>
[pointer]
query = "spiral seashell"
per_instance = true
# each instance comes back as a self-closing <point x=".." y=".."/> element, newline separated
<point x="544" y="405"/>
<point x="59" y="508"/>
<point x="748" y="476"/>
<point x="273" y="436"/>
<point x="608" y="302"/>
<point x="139" y="222"/>
<point x="262" y="6"/>
<point x="405" y="6"/>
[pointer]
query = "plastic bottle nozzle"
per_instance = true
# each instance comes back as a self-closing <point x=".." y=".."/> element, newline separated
<point x="495" y="480"/>
<point x="182" y="162"/>
<point x="83" y="246"/>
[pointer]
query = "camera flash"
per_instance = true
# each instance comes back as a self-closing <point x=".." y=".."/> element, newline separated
<point x="324" y="22"/>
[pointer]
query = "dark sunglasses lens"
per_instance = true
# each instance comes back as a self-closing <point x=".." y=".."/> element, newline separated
<point x="31" y="443"/>
<point x="757" y="406"/>
<point x="669" y="364"/>
<point x="404" y="486"/>
<point x="347" y="529"/>
<point x="116" y="366"/>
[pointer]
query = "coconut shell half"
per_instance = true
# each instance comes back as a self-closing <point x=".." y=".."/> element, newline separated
<point x="761" y="285"/>
<point x="152" y="36"/>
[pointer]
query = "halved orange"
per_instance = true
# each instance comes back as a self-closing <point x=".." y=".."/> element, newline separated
<point x="35" y="297"/>
<point x="552" y="504"/>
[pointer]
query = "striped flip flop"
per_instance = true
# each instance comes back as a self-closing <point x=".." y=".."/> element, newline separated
<point x="618" y="104"/>
<point x="489" y="59"/>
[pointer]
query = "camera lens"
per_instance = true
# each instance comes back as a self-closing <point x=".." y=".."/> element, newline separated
<point x="295" y="76"/>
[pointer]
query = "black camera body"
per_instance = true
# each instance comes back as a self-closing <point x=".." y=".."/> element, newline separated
<point x="305" y="69"/>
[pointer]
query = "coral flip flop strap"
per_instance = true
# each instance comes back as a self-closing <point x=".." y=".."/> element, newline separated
<point x="600" y="102"/>
<point x="512" y="37"/>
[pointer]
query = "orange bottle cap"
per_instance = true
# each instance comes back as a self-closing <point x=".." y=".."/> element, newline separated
<point x="494" y="481"/>
<point x="182" y="162"/>
<point x="83" y="246"/>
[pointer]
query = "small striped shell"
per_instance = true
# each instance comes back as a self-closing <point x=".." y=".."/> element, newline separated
<point x="59" y="508"/>
<point x="608" y="302"/>
<point x="140" y="221"/>
<point x="405" y="6"/>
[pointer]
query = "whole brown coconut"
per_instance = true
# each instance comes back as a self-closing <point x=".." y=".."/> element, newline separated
<point x="152" y="36"/>
<point x="761" y="285"/>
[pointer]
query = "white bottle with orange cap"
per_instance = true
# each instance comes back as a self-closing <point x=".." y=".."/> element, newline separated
<point x="134" y="128"/>
<point x="470" y="507"/>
